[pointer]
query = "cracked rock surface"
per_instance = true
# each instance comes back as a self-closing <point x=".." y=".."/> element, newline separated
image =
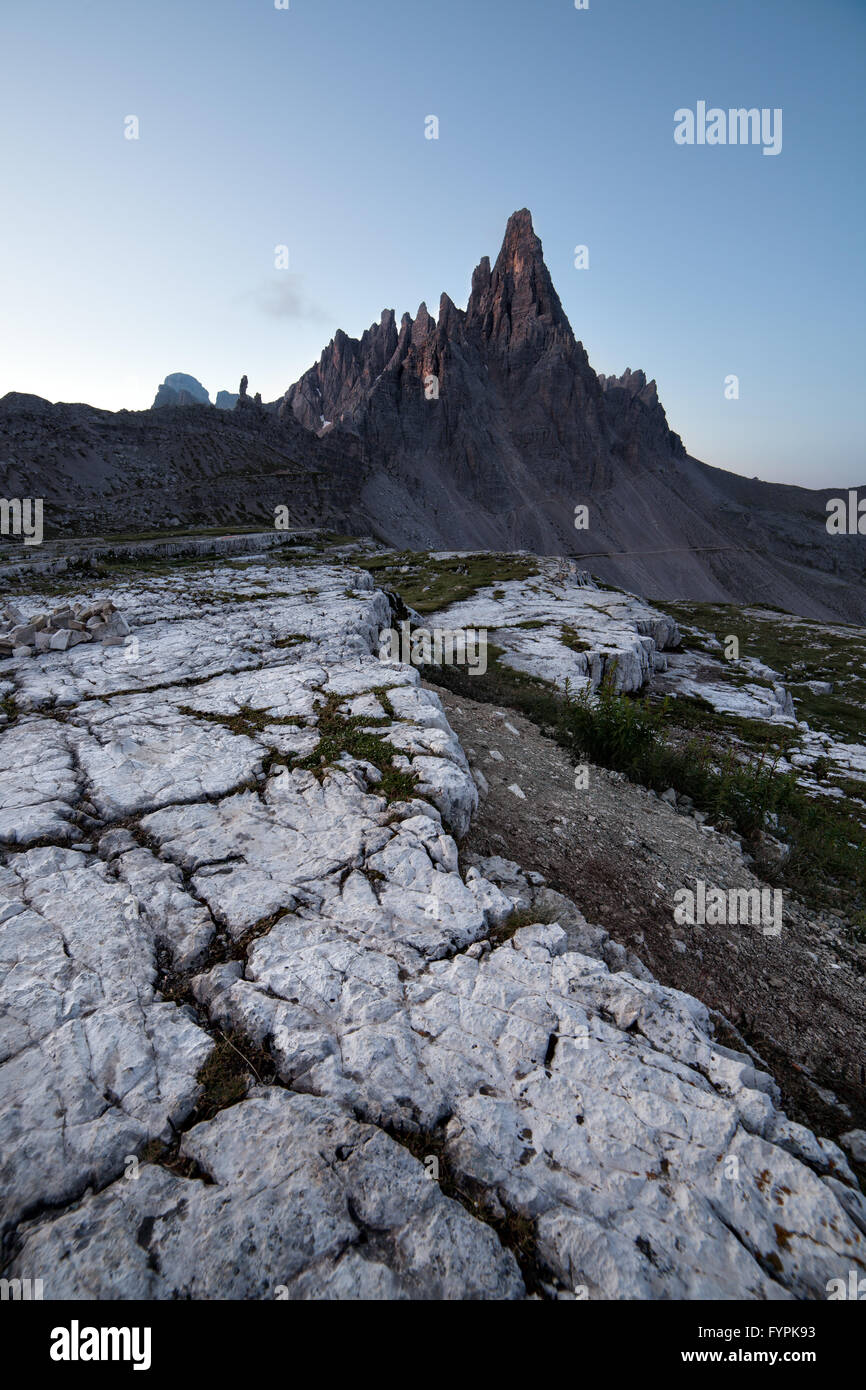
<point x="94" y="1062"/>
<point x="248" y="832"/>
<point x="301" y="1202"/>
<point x="561" y="627"/>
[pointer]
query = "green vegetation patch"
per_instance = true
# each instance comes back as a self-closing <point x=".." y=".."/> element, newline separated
<point x="500" y="684"/>
<point x="694" y="713"/>
<point x="826" y="844"/>
<point x="247" y="720"/>
<point x="224" y="1078"/>
<point x="520" y="917"/>
<point x="799" y="650"/>
<point x="340" y="734"/>
<point x="235" y="1064"/>
<point x="570" y="638"/>
<point x="687" y="745"/>
<point x="427" y="584"/>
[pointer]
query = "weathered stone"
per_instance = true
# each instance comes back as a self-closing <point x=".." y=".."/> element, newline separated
<point x="336" y="931"/>
<point x="303" y="1202"/>
<point x="855" y="1144"/>
<point x="93" y="1064"/>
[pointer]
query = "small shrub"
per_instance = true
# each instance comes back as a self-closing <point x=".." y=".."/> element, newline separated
<point x="608" y="728"/>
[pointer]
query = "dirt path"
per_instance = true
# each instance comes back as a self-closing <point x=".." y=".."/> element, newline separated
<point x="621" y="853"/>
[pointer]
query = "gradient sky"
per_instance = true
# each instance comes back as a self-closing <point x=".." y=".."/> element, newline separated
<point x="126" y="260"/>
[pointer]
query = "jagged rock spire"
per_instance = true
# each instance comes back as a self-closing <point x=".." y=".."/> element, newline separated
<point x="516" y="304"/>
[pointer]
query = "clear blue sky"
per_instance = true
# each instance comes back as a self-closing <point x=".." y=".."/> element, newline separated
<point x="125" y="260"/>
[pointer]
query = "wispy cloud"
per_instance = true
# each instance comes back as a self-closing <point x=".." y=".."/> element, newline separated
<point x="283" y="297"/>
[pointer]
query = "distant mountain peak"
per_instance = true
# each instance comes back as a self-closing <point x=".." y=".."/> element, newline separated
<point x="179" y="388"/>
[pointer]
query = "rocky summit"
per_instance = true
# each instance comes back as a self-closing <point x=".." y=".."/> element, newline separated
<point x="181" y="389"/>
<point x="487" y="427"/>
<point x="481" y="428"/>
<point x="272" y="1028"/>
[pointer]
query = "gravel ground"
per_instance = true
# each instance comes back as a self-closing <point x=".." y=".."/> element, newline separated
<point x="621" y="852"/>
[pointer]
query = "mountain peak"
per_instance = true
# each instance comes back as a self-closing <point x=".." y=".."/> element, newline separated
<point x="179" y="388"/>
<point x="519" y="229"/>
<point x="516" y="303"/>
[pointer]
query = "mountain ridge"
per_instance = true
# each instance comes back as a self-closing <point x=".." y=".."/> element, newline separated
<point x="488" y="426"/>
<point x="483" y="429"/>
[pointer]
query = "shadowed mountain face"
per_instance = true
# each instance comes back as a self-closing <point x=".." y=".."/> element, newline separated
<point x="99" y="471"/>
<point x="488" y="426"/>
<point x="484" y="429"/>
